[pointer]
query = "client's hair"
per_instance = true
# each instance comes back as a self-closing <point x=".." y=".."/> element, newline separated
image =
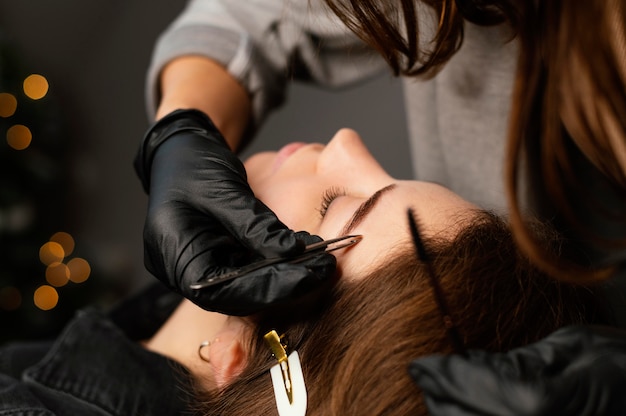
<point x="355" y="348"/>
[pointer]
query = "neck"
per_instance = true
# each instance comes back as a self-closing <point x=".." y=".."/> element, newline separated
<point x="183" y="332"/>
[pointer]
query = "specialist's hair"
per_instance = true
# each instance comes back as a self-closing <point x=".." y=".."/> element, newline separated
<point x="400" y="29"/>
<point x="569" y="105"/>
<point x="569" y="102"/>
<point x="355" y="348"/>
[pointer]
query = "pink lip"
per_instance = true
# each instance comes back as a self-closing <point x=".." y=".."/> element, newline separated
<point x="284" y="153"/>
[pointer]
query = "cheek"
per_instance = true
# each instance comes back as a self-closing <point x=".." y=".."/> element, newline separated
<point x="258" y="168"/>
<point x="293" y="203"/>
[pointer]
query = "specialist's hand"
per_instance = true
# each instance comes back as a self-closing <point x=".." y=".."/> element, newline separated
<point x="203" y="220"/>
<point x="575" y="371"/>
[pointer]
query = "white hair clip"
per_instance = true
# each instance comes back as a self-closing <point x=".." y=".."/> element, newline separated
<point x="287" y="379"/>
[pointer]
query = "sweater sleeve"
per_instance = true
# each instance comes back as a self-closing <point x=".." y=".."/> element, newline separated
<point x="264" y="44"/>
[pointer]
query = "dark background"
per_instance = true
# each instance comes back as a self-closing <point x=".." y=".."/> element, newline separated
<point x="78" y="170"/>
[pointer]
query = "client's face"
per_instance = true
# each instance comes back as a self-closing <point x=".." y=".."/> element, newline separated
<point x="340" y="189"/>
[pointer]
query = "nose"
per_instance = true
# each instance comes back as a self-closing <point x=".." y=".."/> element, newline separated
<point x="346" y="153"/>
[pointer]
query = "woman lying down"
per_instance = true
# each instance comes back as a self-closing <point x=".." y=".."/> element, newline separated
<point x="156" y="354"/>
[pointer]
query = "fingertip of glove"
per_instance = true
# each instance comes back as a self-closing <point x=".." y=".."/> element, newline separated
<point x="290" y="243"/>
<point x="305" y="238"/>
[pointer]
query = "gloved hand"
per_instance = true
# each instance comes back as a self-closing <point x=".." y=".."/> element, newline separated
<point x="203" y="220"/>
<point x="575" y="371"/>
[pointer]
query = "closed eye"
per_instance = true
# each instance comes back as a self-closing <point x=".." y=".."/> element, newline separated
<point x="328" y="197"/>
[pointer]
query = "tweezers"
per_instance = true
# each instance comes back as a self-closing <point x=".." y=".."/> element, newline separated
<point x="310" y="251"/>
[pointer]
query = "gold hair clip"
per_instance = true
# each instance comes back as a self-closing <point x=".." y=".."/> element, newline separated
<point x="287" y="378"/>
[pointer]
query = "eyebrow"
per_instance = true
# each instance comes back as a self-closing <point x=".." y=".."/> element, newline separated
<point x="364" y="209"/>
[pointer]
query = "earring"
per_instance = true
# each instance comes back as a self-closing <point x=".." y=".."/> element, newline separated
<point x="200" y="347"/>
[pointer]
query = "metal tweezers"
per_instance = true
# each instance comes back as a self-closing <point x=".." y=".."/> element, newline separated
<point x="310" y="251"/>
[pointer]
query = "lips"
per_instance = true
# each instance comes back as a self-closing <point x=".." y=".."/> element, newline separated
<point x="284" y="153"/>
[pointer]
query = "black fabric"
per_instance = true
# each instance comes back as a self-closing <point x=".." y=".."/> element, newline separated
<point x="577" y="371"/>
<point x="95" y="368"/>
<point x="149" y="308"/>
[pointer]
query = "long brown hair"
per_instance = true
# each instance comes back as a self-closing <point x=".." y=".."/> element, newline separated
<point x="355" y="348"/>
<point x="395" y="28"/>
<point x="568" y="106"/>
<point x="570" y="103"/>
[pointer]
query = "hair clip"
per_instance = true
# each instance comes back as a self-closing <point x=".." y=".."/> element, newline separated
<point x="287" y="378"/>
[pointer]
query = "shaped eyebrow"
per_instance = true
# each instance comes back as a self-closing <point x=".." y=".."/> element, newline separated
<point x="364" y="209"/>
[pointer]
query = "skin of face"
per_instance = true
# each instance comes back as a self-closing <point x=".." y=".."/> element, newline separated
<point x="293" y="181"/>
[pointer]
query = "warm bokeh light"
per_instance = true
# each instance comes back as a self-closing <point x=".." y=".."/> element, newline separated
<point x="66" y="241"/>
<point x="51" y="252"/>
<point x="79" y="270"/>
<point x="57" y="274"/>
<point x="8" y="104"/>
<point x="35" y="86"/>
<point x="46" y="297"/>
<point x="10" y="298"/>
<point x="19" y="137"/>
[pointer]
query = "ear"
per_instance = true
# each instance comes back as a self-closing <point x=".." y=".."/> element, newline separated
<point x="227" y="356"/>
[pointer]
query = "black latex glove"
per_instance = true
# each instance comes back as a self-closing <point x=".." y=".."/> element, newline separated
<point x="203" y="220"/>
<point x="575" y="371"/>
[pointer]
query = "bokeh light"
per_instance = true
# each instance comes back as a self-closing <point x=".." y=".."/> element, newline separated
<point x="79" y="270"/>
<point x="65" y="240"/>
<point x="35" y="86"/>
<point x="46" y="297"/>
<point x="8" y="104"/>
<point x="57" y="274"/>
<point x="10" y="298"/>
<point x="19" y="137"/>
<point x="51" y="252"/>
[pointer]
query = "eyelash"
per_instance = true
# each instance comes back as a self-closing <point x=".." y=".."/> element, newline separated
<point x="328" y="197"/>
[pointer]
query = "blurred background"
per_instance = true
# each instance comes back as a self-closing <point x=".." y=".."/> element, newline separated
<point x="71" y="116"/>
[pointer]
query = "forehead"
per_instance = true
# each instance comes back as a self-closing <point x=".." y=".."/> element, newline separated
<point x="437" y="209"/>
